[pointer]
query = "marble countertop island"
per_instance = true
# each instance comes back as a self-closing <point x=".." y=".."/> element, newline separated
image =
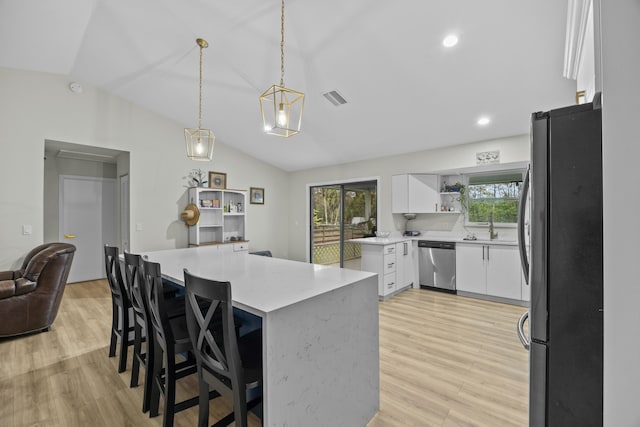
<point x="319" y="329"/>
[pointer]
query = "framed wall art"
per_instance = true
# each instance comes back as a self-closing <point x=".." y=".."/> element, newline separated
<point x="256" y="196"/>
<point x="218" y="180"/>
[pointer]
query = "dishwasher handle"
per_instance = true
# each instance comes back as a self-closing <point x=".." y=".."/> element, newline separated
<point x="523" y="338"/>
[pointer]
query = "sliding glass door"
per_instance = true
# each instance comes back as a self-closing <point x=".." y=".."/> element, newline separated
<point x="340" y="212"/>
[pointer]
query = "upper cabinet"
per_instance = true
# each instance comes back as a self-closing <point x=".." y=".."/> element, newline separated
<point x="415" y="193"/>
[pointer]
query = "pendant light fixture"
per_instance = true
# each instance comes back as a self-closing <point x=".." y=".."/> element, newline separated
<point x="281" y="108"/>
<point x="199" y="141"/>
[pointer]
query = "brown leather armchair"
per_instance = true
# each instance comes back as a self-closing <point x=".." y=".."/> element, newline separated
<point x="30" y="297"/>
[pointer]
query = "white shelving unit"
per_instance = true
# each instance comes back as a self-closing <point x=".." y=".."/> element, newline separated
<point x="222" y="217"/>
<point x="450" y="200"/>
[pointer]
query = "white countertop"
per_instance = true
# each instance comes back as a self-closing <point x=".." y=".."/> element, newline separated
<point x="259" y="284"/>
<point x="380" y="241"/>
<point x="428" y="236"/>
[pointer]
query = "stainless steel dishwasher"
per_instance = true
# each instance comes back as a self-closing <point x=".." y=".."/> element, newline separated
<point x="437" y="265"/>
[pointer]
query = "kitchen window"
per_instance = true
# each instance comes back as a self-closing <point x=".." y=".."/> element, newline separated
<point x="496" y="194"/>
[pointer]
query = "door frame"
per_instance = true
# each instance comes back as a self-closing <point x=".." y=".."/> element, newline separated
<point x="124" y="209"/>
<point x="328" y="183"/>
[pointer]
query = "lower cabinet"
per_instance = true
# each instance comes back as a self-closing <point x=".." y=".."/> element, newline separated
<point x="233" y="247"/>
<point x="489" y="270"/>
<point x="471" y="268"/>
<point x="393" y="263"/>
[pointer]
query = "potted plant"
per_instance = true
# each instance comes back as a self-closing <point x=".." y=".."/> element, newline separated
<point x="462" y="189"/>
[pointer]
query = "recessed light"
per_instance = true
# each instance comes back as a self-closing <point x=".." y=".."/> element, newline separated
<point x="450" y="41"/>
<point x="483" y="121"/>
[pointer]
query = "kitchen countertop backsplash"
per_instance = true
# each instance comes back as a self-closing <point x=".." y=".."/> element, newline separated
<point x="450" y="227"/>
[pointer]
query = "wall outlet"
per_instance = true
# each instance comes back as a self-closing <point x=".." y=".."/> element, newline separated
<point x="138" y="227"/>
<point x="27" y="230"/>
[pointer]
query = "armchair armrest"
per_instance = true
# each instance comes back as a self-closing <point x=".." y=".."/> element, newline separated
<point x="7" y="289"/>
<point x="6" y="275"/>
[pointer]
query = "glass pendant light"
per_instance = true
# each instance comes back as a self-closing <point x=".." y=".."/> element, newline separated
<point x="281" y="107"/>
<point x="199" y="141"/>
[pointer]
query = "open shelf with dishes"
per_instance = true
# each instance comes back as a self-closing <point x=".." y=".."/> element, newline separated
<point x="451" y="194"/>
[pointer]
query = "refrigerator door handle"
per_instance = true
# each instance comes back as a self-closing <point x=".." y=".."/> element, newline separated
<point x="521" y="226"/>
<point x="523" y="338"/>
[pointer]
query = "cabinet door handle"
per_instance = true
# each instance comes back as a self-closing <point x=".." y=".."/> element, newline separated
<point x="436" y="208"/>
<point x="483" y="252"/>
<point x="406" y="248"/>
<point x="487" y="253"/>
<point x="390" y="265"/>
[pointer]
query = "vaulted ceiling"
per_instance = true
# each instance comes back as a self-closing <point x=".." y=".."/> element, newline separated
<point x="406" y="92"/>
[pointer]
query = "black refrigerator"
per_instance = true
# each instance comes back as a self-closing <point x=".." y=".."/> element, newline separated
<point x="561" y="252"/>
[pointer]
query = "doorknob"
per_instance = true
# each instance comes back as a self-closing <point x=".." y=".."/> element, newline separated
<point x="69" y="236"/>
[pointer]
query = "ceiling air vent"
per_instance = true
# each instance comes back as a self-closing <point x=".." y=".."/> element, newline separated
<point x="335" y="98"/>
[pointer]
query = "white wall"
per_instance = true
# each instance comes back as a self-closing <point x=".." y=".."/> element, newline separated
<point x="39" y="106"/>
<point x="620" y="31"/>
<point x="513" y="149"/>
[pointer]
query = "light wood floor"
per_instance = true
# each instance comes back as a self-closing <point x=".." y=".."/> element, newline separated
<point x="444" y="361"/>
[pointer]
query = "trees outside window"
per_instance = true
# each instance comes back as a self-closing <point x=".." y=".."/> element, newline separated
<point x="497" y="194"/>
<point x="341" y="212"/>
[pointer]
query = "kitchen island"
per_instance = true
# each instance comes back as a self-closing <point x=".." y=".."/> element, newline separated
<point x="319" y="329"/>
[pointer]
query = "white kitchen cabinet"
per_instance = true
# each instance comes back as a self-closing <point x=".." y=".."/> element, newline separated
<point x="404" y="265"/>
<point x="471" y="268"/>
<point x="234" y="247"/>
<point x="503" y="271"/>
<point x="222" y="217"/>
<point x="489" y="270"/>
<point x="392" y="262"/>
<point x="415" y="193"/>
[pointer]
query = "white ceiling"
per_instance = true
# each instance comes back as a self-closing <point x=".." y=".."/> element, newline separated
<point x="406" y="92"/>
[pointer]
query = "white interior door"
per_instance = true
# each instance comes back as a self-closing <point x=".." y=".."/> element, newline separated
<point x="87" y="220"/>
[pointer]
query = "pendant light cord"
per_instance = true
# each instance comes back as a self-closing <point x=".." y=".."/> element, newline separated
<point x="282" y="46"/>
<point x="200" y="99"/>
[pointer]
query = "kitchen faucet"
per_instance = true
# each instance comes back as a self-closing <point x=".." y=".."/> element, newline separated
<point x="492" y="235"/>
